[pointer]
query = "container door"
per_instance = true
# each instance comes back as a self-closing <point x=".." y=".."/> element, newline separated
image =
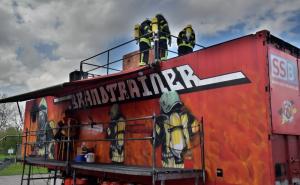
<point x="286" y="159"/>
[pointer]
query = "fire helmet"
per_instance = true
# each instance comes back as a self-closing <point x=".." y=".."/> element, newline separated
<point x="43" y="105"/>
<point x="168" y="100"/>
<point x="189" y="26"/>
<point x="114" y="111"/>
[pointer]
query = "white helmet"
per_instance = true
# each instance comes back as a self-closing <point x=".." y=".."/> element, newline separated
<point x="168" y="100"/>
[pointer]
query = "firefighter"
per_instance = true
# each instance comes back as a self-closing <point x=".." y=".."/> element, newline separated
<point x="164" y="36"/>
<point x="44" y="134"/>
<point x="144" y="41"/>
<point x="186" y="40"/>
<point x="116" y="130"/>
<point x="174" y="129"/>
<point x="42" y="121"/>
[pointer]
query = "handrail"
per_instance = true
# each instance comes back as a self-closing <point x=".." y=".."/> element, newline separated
<point x="91" y="124"/>
<point x="196" y="44"/>
<point x="90" y="140"/>
<point x="108" y="52"/>
<point x="152" y="136"/>
<point x="4" y="137"/>
<point x="103" y="66"/>
<point x="104" y="52"/>
<point x="106" y="139"/>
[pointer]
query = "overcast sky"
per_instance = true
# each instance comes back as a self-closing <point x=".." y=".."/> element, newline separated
<point x="42" y="41"/>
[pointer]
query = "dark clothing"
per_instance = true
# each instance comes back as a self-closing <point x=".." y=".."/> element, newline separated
<point x="164" y="35"/>
<point x="163" y="49"/>
<point x="183" y="50"/>
<point x="146" y="29"/>
<point x="145" y="41"/>
<point x="144" y="49"/>
<point x="185" y="44"/>
<point x="163" y="27"/>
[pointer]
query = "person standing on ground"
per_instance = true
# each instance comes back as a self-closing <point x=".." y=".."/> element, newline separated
<point x="186" y="40"/>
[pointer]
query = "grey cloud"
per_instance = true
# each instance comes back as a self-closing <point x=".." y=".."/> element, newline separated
<point x="81" y="28"/>
<point x="7" y="26"/>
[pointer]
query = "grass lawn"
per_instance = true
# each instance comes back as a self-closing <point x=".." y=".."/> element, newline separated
<point x="16" y="169"/>
<point x="2" y="156"/>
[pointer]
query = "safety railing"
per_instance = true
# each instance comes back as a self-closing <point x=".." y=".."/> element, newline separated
<point x="197" y="46"/>
<point x="152" y="137"/>
<point x="28" y="134"/>
<point x="113" y="62"/>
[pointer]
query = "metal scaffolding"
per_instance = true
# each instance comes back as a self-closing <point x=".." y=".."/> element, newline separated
<point x="70" y="167"/>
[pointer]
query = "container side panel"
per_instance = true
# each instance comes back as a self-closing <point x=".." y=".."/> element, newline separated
<point x="285" y="100"/>
<point x="224" y="84"/>
<point x="235" y="114"/>
<point x="237" y="122"/>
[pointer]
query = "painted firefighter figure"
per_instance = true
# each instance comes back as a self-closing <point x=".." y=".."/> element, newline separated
<point x="174" y="129"/>
<point x="39" y="116"/>
<point x="116" y="130"/>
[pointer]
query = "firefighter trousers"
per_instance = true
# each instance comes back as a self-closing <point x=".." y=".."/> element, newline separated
<point x="163" y="49"/>
<point x="183" y="50"/>
<point x="144" y="49"/>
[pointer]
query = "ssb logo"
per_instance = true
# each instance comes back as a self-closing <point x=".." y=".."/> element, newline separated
<point x="283" y="70"/>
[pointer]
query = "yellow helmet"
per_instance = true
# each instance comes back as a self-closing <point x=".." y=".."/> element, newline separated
<point x="189" y="26"/>
<point x="189" y="30"/>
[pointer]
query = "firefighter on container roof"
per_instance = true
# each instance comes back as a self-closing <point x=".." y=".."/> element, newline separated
<point x="164" y="35"/>
<point x="186" y="40"/>
<point x="174" y="128"/>
<point x="144" y="41"/>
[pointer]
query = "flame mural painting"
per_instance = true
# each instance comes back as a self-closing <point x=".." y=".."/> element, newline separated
<point x="249" y="103"/>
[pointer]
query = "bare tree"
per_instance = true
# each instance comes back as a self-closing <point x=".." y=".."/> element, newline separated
<point x="15" y="119"/>
<point x="9" y="116"/>
<point x="4" y="114"/>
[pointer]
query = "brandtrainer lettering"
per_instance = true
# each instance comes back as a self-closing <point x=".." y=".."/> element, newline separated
<point x="181" y="78"/>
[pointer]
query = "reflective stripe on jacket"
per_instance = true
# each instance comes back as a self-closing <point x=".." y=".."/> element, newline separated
<point x="146" y="40"/>
<point x="146" y="35"/>
<point x="182" y="39"/>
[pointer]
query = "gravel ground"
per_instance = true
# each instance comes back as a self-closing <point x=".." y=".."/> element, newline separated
<point x="16" y="180"/>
